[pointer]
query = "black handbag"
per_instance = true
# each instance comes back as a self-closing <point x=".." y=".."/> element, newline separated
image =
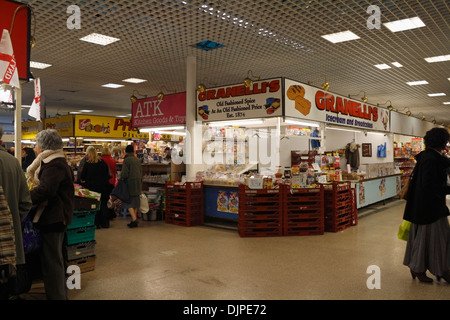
<point x="121" y="191"/>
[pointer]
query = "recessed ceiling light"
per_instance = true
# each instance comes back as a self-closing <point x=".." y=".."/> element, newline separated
<point x="39" y="65"/>
<point x="340" y="36"/>
<point x="99" y="39"/>
<point x="396" y="64"/>
<point x="438" y="58"/>
<point x="404" y="24"/>
<point x="417" y="83"/>
<point x="382" y="66"/>
<point x="436" y="94"/>
<point x="86" y="111"/>
<point x="134" y="80"/>
<point x="112" y="85"/>
<point x="448" y="102"/>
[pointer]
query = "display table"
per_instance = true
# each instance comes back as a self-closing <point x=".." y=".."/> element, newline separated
<point x="373" y="190"/>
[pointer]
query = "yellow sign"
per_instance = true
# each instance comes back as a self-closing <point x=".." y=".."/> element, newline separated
<point x="106" y="127"/>
<point x="30" y="129"/>
<point x="63" y="124"/>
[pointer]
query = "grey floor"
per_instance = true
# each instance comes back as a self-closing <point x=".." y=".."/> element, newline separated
<point x="159" y="261"/>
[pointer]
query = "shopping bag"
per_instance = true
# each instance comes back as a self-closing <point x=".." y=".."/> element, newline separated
<point x="403" y="230"/>
<point x="121" y="191"/>
<point x="31" y="236"/>
<point x="144" y="207"/>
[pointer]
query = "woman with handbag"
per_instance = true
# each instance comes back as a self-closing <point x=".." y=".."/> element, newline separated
<point x="132" y="174"/>
<point x="428" y="246"/>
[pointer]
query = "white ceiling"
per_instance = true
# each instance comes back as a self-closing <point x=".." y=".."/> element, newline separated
<point x="271" y="38"/>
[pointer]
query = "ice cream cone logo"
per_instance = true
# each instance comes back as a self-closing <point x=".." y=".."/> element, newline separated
<point x="297" y="93"/>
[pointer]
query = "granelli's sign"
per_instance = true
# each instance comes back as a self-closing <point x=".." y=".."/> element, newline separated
<point x="234" y="102"/>
<point x="307" y="102"/>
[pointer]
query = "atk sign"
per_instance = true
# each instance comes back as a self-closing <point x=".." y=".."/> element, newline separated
<point x="311" y="103"/>
<point x="152" y="112"/>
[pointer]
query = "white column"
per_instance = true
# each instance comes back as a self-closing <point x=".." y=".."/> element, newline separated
<point x="18" y="124"/>
<point x="194" y="130"/>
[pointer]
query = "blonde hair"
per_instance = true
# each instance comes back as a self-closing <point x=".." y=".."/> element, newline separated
<point x="106" y="151"/>
<point x="92" y="156"/>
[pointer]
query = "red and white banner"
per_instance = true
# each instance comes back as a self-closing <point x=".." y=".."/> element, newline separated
<point x="8" y="65"/>
<point x="35" y="110"/>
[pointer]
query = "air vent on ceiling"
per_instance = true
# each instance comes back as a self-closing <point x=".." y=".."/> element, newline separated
<point x="208" y="45"/>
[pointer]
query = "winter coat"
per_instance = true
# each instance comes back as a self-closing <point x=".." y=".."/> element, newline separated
<point x="132" y="173"/>
<point x="12" y="178"/>
<point x="95" y="177"/>
<point x="112" y="168"/>
<point x="428" y="188"/>
<point x="352" y="155"/>
<point x="56" y="187"/>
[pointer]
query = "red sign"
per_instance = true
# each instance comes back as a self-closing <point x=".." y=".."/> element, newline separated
<point x="152" y="112"/>
<point x="20" y="35"/>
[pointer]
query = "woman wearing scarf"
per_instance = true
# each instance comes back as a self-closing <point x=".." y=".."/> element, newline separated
<point x="52" y="193"/>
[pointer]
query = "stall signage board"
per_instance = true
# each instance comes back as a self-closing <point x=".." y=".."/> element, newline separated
<point x="310" y="103"/>
<point x="30" y="129"/>
<point x="63" y="124"/>
<point x="236" y="102"/>
<point x="20" y="36"/>
<point x="106" y="127"/>
<point x="152" y="112"/>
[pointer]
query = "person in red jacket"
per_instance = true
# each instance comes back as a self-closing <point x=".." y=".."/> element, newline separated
<point x="111" y="162"/>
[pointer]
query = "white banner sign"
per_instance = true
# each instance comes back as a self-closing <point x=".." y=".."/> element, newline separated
<point x="311" y="103"/>
<point x="235" y="102"/>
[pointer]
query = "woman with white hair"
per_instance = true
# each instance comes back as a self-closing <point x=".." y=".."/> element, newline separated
<point x="53" y="192"/>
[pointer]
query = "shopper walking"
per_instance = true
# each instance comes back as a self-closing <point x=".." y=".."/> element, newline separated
<point x="109" y="160"/>
<point x="132" y="174"/>
<point x="15" y="189"/>
<point x="428" y="246"/>
<point x="28" y="156"/>
<point x="95" y="177"/>
<point x="53" y="191"/>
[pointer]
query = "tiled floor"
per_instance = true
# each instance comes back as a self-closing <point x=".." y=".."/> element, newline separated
<point x="159" y="261"/>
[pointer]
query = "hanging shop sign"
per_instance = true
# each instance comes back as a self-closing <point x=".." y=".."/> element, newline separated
<point x="63" y="124"/>
<point x="152" y="112"/>
<point x="311" y="103"/>
<point x="30" y="129"/>
<point x="106" y="127"/>
<point x="235" y="102"/>
<point x="19" y="14"/>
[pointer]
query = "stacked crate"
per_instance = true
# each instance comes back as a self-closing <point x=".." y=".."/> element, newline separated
<point x="79" y="242"/>
<point x="303" y="211"/>
<point x="260" y="212"/>
<point x="338" y="206"/>
<point x="184" y="203"/>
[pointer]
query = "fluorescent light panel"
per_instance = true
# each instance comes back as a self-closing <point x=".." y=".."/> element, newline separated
<point x="438" y="58"/>
<point x="448" y="102"/>
<point x="436" y="94"/>
<point x="404" y="24"/>
<point x="382" y="66"/>
<point x="39" y="65"/>
<point x="112" y="85"/>
<point x="301" y="123"/>
<point x="342" y="129"/>
<point x="157" y="129"/>
<point x="100" y="39"/>
<point x="397" y="64"/>
<point x="340" y="36"/>
<point x="86" y="110"/>
<point x="417" y="83"/>
<point x="235" y="123"/>
<point x="134" y="80"/>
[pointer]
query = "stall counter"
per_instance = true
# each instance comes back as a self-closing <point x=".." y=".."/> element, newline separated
<point x="373" y="190"/>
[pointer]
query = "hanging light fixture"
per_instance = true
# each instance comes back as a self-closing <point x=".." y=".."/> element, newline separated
<point x="248" y="82"/>
<point x="389" y="107"/>
<point x="422" y="117"/>
<point x="363" y="98"/>
<point x="326" y="85"/>
<point x="133" y="98"/>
